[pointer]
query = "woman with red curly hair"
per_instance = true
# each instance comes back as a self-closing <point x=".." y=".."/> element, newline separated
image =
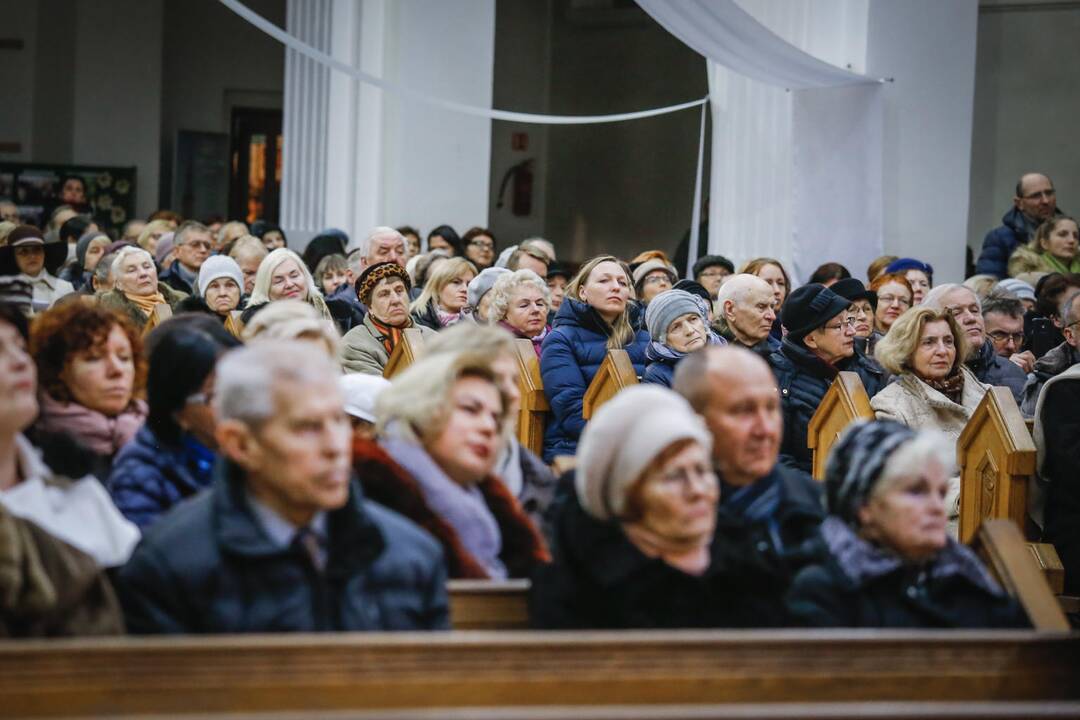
<point x="91" y="369"/>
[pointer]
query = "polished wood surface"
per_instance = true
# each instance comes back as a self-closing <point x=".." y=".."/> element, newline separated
<point x="534" y="403"/>
<point x="997" y="458"/>
<point x="1002" y="547"/>
<point x="845" y="402"/>
<point x="489" y="605"/>
<point x="406" y="352"/>
<point x="615" y="373"/>
<point x="131" y="676"/>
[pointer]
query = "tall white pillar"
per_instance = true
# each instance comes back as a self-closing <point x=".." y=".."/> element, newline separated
<point x="356" y="156"/>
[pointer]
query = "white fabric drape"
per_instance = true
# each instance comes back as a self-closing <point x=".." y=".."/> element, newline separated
<point x="795" y="175"/>
<point x="728" y="35"/>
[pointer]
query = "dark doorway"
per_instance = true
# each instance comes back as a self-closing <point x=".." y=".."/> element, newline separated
<point x="255" y="159"/>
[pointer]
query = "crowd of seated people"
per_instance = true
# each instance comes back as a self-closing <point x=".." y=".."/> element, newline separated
<point x="243" y="466"/>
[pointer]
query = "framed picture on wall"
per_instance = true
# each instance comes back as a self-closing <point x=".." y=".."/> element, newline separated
<point x="36" y="189"/>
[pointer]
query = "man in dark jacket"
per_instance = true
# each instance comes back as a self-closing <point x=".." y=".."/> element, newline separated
<point x="735" y="393"/>
<point x="284" y="540"/>
<point x="1058" y="360"/>
<point x="193" y="243"/>
<point x="1035" y="202"/>
<point x="819" y="344"/>
<point x="983" y="360"/>
<point x="1057" y="434"/>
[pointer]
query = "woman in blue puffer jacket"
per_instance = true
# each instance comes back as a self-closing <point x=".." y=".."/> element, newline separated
<point x="172" y="456"/>
<point x="595" y="317"/>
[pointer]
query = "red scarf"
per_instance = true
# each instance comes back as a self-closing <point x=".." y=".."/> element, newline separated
<point x="391" y="335"/>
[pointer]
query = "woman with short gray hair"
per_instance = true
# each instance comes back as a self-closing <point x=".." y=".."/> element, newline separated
<point x="886" y="558"/>
<point x="137" y="290"/>
<point x="519" y="302"/>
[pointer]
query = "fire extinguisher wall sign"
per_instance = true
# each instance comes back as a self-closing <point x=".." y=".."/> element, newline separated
<point x="520" y="176"/>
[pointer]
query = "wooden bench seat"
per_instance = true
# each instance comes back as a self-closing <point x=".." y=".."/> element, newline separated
<point x="132" y="676"/>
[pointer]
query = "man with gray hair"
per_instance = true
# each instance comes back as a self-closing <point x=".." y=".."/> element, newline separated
<point x="382" y="244"/>
<point x="192" y="244"/>
<point x="283" y="541"/>
<point x="964" y="305"/>
<point x="1061" y="358"/>
<point x="745" y="313"/>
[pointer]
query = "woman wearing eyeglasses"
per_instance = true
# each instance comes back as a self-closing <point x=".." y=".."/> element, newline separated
<point x="894" y="297"/>
<point x="479" y="247"/>
<point x="926" y="348"/>
<point x="820" y="342"/>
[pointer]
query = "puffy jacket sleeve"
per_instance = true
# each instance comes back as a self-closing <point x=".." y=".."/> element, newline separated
<point x="994" y="257"/>
<point x="136" y="490"/>
<point x="658" y="374"/>
<point x="815" y="600"/>
<point x="564" y="383"/>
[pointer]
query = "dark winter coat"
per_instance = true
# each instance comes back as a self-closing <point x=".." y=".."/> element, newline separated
<point x="762" y="349"/>
<point x="1060" y="427"/>
<point x="787" y="532"/>
<point x="171" y="277"/>
<point x="1000" y="243"/>
<point x="388" y="483"/>
<point x="599" y="579"/>
<point x="993" y="369"/>
<point x="856" y="584"/>
<point x="803" y="379"/>
<point x="427" y="317"/>
<point x="1053" y="363"/>
<point x="148" y="476"/>
<point x="117" y="300"/>
<point x="661" y="365"/>
<point x="572" y="354"/>
<point x="209" y="567"/>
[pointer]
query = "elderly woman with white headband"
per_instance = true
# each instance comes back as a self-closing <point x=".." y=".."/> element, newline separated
<point x="283" y="275"/>
<point x="137" y="290"/>
<point x="886" y="559"/>
<point x="640" y="543"/>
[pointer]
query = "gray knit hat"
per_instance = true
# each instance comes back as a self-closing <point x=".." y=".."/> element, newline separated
<point x="667" y="307"/>
<point x="219" y="266"/>
<point x="623" y="437"/>
<point x="482" y="283"/>
<point x="856" y="464"/>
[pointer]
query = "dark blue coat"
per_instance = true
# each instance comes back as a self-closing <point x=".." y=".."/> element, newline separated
<point x="209" y="567"/>
<point x="171" y="277"/>
<point x="1000" y="242"/>
<point x="148" y="477"/>
<point x="661" y="367"/>
<point x="571" y="356"/>
<point x="803" y="379"/>
<point x="993" y="369"/>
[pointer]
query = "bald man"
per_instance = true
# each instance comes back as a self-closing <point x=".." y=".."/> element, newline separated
<point x="1035" y="202"/>
<point x="745" y="313"/>
<point x="734" y="391"/>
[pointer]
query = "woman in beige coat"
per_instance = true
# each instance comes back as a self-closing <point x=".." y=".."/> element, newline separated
<point x="926" y="349"/>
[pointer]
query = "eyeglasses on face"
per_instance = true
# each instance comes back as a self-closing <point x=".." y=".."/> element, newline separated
<point x="1000" y="336"/>
<point x="1041" y="194"/>
<point x="894" y="299"/>
<point x="482" y="244"/>
<point x="845" y="324"/>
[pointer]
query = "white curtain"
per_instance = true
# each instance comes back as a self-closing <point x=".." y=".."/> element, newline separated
<point x="796" y="145"/>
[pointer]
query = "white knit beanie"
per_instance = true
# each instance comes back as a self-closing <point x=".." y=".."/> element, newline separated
<point x="219" y="266"/>
<point x="624" y="437"/>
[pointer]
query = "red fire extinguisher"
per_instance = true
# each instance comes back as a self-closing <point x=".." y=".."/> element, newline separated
<point x="521" y="195"/>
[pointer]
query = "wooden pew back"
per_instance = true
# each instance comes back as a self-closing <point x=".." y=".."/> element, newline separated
<point x="997" y="457"/>
<point x="534" y="404"/>
<point x="489" y="604"/>
<point x="615" y="373"/>
<point x="349" y="672"/>
<point x="408" y="350"/>
<point x="845" y="402"/>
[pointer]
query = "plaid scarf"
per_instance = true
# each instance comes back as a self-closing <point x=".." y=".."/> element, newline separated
<point x="391" y="335"/>
<point x="951" y="386"/>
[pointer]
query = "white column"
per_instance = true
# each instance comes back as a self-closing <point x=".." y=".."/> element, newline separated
<point x="356" y="156"/>
<point x="304" y="123"/>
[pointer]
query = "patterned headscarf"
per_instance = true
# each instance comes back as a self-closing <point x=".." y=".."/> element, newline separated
<point x="374" y="274"/>
<point x="857" y="462"/>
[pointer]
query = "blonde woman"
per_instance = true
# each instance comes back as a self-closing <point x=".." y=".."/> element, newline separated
<point x="294" y="320"/>
<point x="519" y="302"/>
<point x="925" y="348"/>
<point x="445" y="297"/>
<point x="152" y="232"/>
<point x="594" y="317"/>
<point x="1053" y="249"/>
<point x="282" y="275"/>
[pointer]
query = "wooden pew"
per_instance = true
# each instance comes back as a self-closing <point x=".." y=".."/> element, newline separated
<point x="615" y="373"/>
<point x="1003" y="548"/>
<point x="845" y="402"/>
<point x="534" y="404"/>
<point x="407" y="351"/>
<point x="997" y="457"/>
<point x="158" y="315"/>
<point x="127" y="677"/>
<point x="489" y="604"/>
